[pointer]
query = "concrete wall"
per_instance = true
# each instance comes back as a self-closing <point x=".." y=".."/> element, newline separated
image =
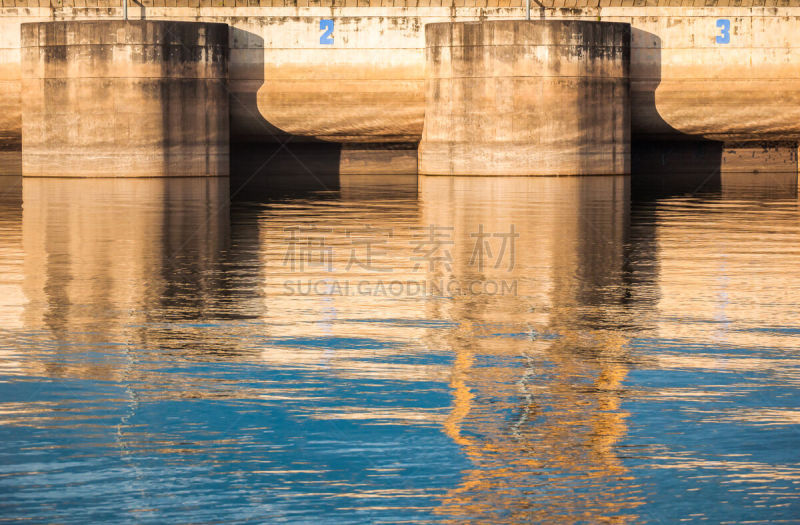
<point x="367" y="86"/>
<point x="516" y="97"/>
<point x="120" y="99"/>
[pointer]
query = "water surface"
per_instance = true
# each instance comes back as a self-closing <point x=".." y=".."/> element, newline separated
<point x="441" y="350"/>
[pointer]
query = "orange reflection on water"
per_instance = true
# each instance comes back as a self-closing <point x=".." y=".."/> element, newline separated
<point x="539" y="413"/>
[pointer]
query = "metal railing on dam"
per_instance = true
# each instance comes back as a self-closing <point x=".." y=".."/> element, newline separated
<point x="546" y="4"/>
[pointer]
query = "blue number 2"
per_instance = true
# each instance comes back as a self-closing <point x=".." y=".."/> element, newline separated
<point x="327" y="26"/>
<point x="724" y="26"/>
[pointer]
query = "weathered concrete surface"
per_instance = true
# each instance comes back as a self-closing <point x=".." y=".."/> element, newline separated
<point x="679" y="167"/>
<point x="124" y="99"/>
<point x="10" y="76"/>
<point x="365" y="87"/>
<point x="686" y="84"/>
<point x="516" y="97"/>
<point x="368" y="86"/>
<point x="755" y="158"/>
<point x="379" y="159"/>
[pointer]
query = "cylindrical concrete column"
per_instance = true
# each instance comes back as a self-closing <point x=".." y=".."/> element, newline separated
<point x="116" y="98"/>
<point x="517" y="97"/>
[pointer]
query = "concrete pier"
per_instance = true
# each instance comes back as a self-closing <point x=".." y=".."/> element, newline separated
<point x="515" y="97"/>
<point x="117" y="98"/>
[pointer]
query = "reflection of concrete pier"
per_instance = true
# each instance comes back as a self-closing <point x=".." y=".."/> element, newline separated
<point x="96" y="248"/>
<point x="537" y="378"/>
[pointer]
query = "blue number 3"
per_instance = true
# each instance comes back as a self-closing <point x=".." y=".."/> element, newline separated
<point x="327" y="36"/>
<point x="724" y="26"/>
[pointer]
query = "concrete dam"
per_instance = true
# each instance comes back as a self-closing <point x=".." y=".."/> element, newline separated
<point x="457" y="87"/>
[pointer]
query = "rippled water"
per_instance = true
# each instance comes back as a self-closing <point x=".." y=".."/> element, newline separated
<point x="441" y="350"/>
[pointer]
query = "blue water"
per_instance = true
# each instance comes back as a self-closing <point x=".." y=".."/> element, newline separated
<point x="168" y="356"/>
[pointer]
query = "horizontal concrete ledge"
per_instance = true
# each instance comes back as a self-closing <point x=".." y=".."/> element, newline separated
<point x="527" y="45"/>
<point x="126" y="176"/>
<point x="128" y="32"/>
<point x="47" y="47"/>
<point x="148" y="78"/>
<point x="364" y="12"/>
<point x="534" y="176"/>
<point x="594" y="78"/>
<point x="547" y="33"/>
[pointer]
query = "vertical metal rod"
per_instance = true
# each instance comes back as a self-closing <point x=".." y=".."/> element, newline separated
<point x="125" y="9"/>
<point x="527" y="9"/>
